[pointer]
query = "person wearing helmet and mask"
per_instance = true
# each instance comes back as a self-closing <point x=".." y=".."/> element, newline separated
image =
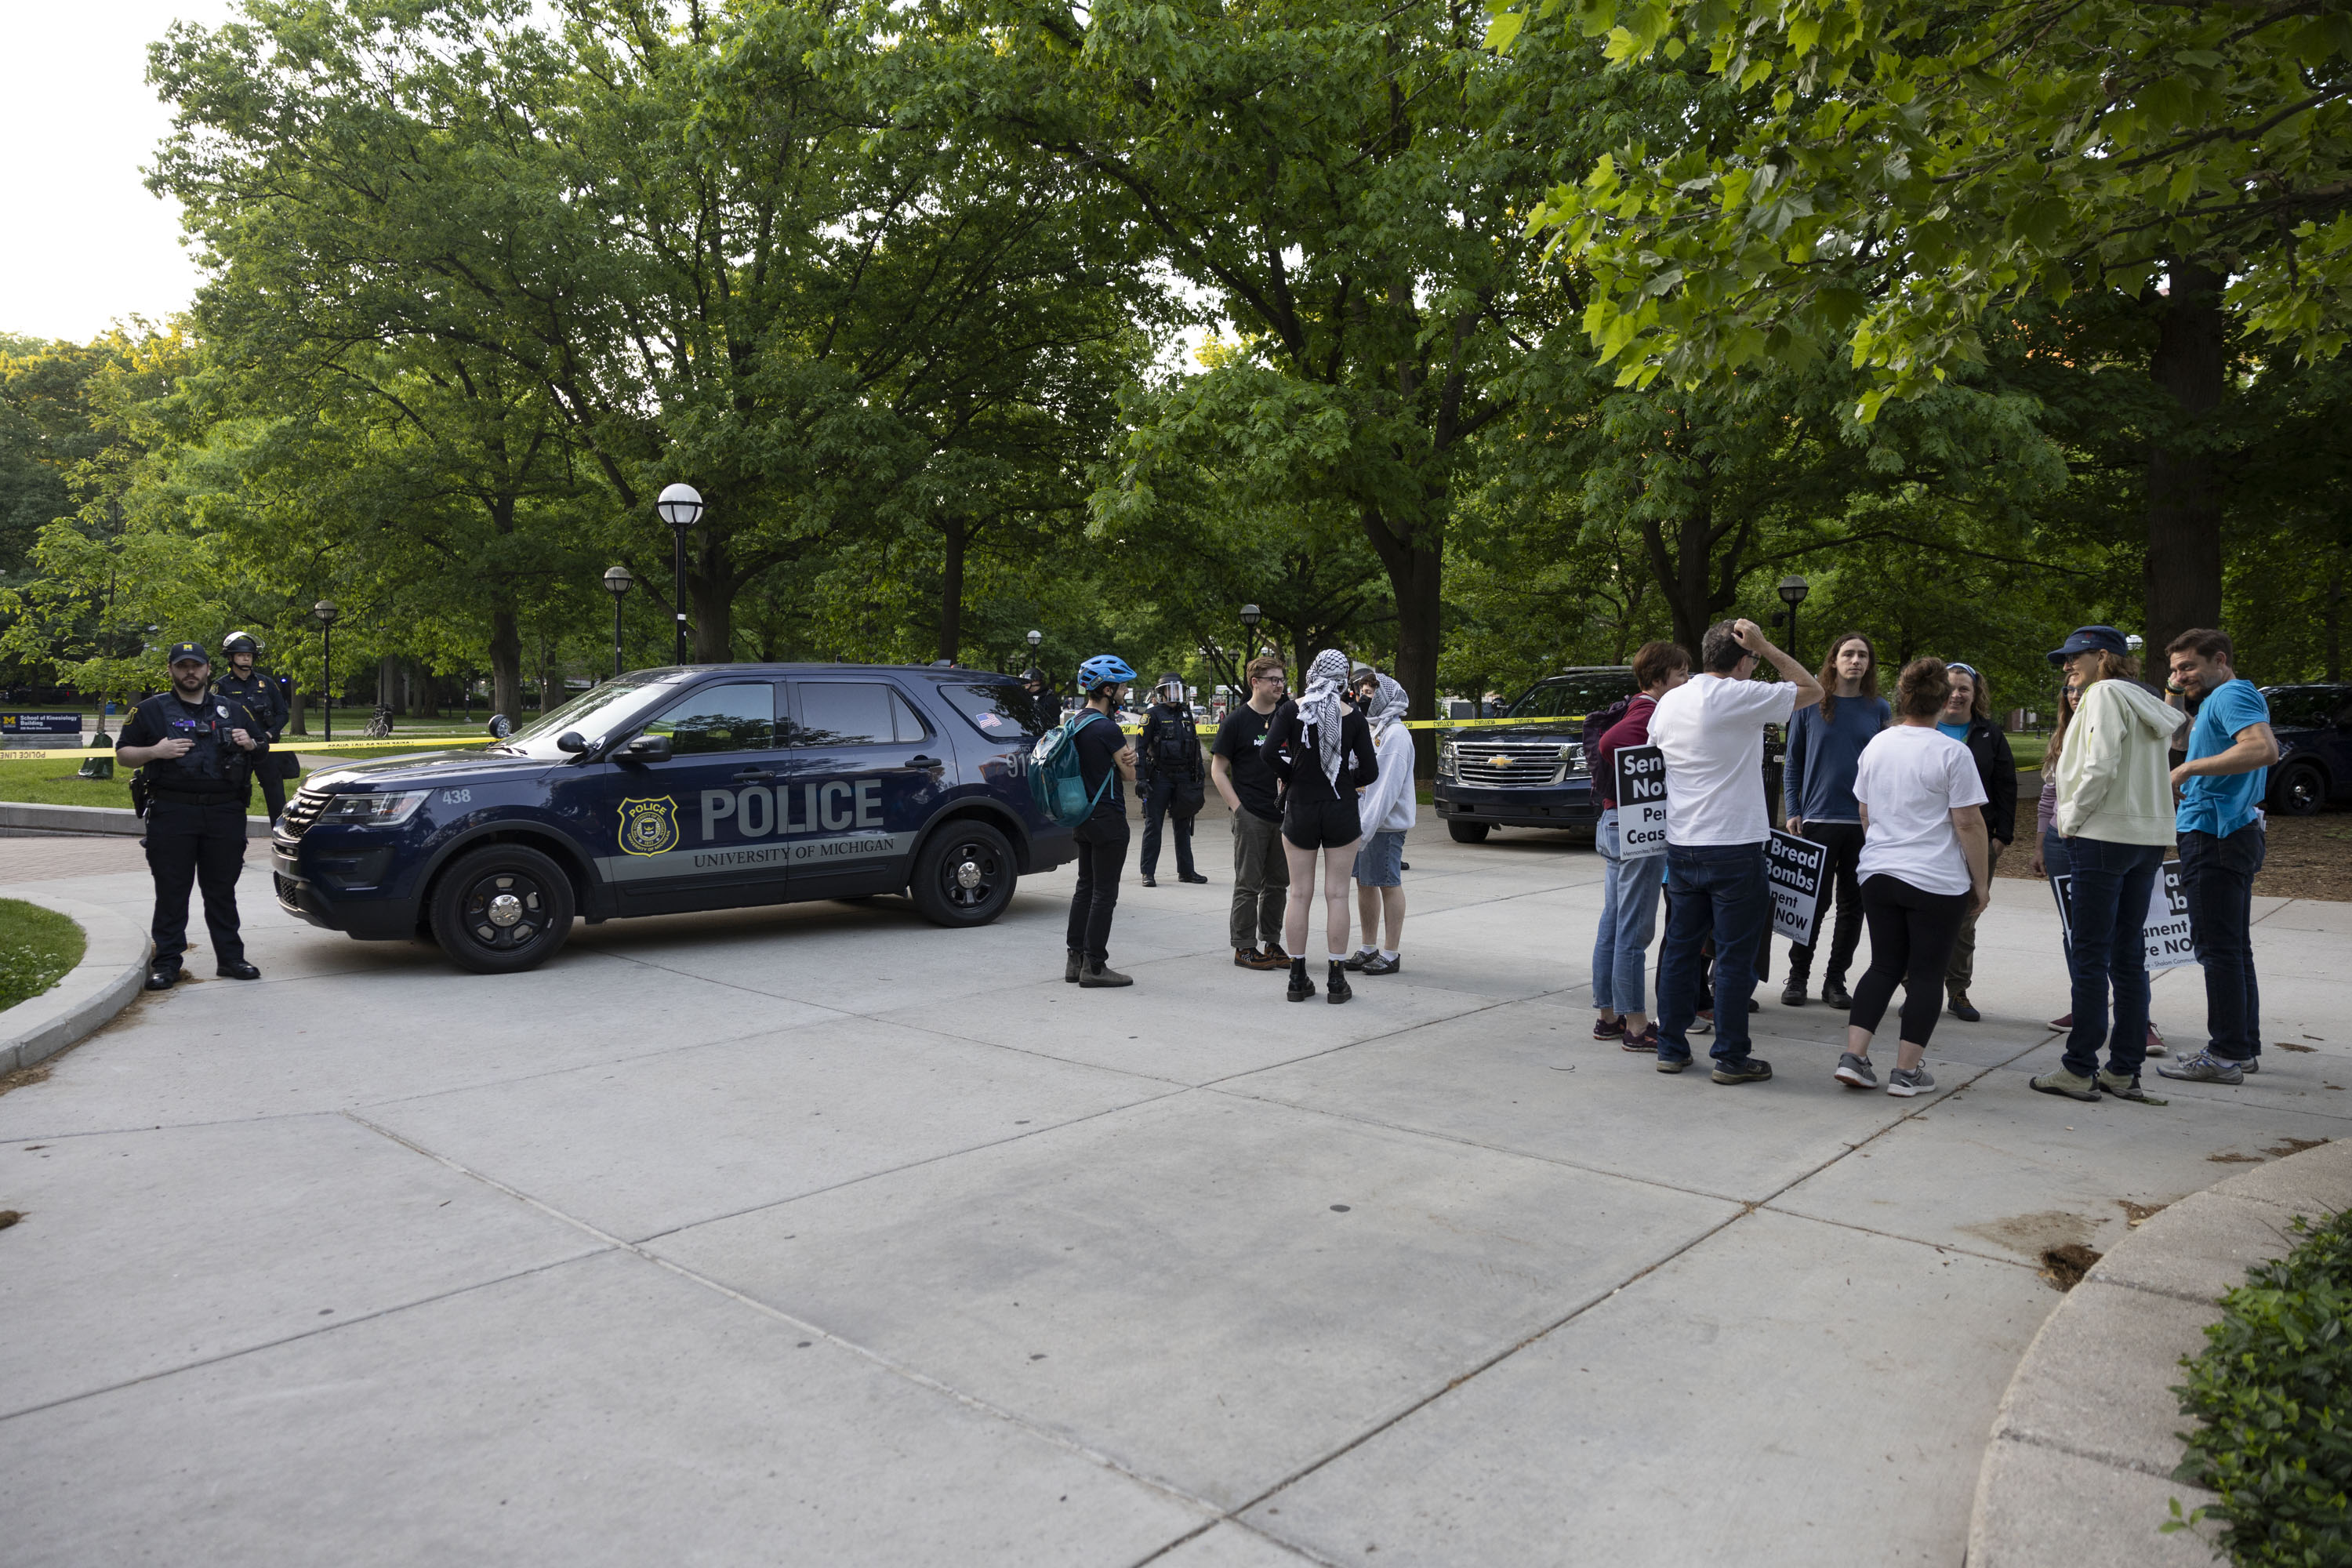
<point x="1106" y="756"/>
<point x="1042" y="697"/>
<point x="264" y="701"/>
<point x="1168" y="777"/>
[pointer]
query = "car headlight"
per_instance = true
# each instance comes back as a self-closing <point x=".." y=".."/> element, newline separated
<point x="1574" y="755"/>
<point x="373" y="810"/>
<point x="1446" y="759"/>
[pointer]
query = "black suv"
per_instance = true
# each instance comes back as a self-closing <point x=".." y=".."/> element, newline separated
<point x="2314" y="725"/>
<point x="703" y="787"/>
<point x="1529" y="774"/>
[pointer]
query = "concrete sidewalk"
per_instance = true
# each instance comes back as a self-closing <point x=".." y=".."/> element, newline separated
<point x="819" y="1235"/>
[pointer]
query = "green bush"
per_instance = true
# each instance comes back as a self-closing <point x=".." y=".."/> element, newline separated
<point x="2271" y="1389"/>
<point x="37" y="947"/>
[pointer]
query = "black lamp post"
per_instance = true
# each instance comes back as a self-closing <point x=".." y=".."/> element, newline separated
<point x="1251" y="615"/>
<point x="680" y="505"/>
<point x="326" y="612"/>
<point x="1035" y="637"/>
<point x="1793" y="590"/>
<point x="617" y="582"/>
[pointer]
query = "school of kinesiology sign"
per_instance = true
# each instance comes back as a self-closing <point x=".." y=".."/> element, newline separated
<point x="1793" y="870"/>
<point x="2169" y="944"/>
<point x="1641" y="802"/>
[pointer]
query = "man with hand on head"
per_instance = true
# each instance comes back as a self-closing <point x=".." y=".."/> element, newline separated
<point x="1710" y="732"/>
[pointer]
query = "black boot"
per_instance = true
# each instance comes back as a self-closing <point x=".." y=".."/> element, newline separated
<point x="1097" y="972"/>
<point x="1301" y="988"/>
<point x="1070" y="970"/>
<point x="1340" y="989"/>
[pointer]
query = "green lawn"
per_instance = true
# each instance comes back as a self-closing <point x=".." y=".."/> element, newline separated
<point x="54" y="781"/>
<point x="37" y="947"/>
<point x="2028" y="750"/>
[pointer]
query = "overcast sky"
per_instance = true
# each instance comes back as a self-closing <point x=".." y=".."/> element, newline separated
<point x="86" y="242"/>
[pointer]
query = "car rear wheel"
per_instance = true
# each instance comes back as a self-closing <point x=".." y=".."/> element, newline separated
<point x="964" y="875"/>
<point x="502" y="909"/>
<point x="2300" y="791"/>
<point x="1468" y="832"/>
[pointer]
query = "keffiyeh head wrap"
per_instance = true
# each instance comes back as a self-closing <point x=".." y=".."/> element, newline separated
<point x="1326" y="683"/>
<point x="1387" y="707"/>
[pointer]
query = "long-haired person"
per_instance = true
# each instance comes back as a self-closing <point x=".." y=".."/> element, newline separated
<point x="1388" y="811"/>
<point x="1967" y="719"/>
<point x="1825" y="745"/>
<point x="1322" y="750"/>
<point x="1924" y="869"/>
<point x="1629" y="890"/>
<point x="2115" y="812"/>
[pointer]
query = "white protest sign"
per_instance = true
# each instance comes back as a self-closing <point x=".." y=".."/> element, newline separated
<point x="2165" y="926"/>
<point x="1794" y="870"/>
<point x="1641" y="802"/>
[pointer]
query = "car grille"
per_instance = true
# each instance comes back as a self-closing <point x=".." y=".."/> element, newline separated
<point x="1481" y="761"/>
<point x="302" y="812"/>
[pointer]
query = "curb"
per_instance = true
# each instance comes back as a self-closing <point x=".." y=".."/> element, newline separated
<point x="25" y="818"/>
<point x="112" y="971"/>
<point x="2078" y="1467"/>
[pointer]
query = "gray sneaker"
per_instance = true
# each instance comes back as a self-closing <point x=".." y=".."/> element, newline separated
<point x="2122" y="1088"/>
<point x="2204" y="1067"/>
<point x="1905" y="1082"/>
<point x="2058" y="1080"/>
<point x="1855" y="1071"/>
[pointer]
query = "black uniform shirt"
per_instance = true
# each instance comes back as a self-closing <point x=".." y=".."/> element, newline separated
<point x="261" y="698"/>
<point x="216" y="765"/>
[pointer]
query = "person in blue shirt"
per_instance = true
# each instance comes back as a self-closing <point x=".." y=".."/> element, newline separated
<point x="1817" y="784"/>
<point x="1967" y="719"/>
<point x="2218" y="823"/>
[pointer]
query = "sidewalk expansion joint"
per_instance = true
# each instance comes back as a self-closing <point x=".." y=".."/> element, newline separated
<point x="2095" y="1456"/>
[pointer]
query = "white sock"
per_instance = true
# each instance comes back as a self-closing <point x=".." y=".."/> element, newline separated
<point x="1368" y="947"/>
<point x="1387" y="956"/>
<point x="1338" y="957"/>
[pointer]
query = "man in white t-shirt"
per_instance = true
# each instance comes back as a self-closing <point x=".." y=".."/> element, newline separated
<point x="1711" y="732"/>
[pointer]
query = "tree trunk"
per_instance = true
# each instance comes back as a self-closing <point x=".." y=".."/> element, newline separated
<point x="298" y="707"/>
<point x="387" y="681"/>
<point x="506" y="663"/>
<point x="710" y="596"/>
<point x="2184" y="500"/>
<point x="951" y="589"/>
<point x="2335" y="619"/>
<point x="1416" y="572"/>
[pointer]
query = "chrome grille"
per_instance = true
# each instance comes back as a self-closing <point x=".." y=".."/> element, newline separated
<point x="302" y="812"/>
<point x="1488" y="762"/>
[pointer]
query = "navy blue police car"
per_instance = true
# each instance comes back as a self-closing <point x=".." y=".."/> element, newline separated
<point x="703" y="787"/>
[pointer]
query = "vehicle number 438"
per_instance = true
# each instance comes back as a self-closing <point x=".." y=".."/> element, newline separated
<point x="455" y="797"/>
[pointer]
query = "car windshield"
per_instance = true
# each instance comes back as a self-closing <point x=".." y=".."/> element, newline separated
<point x="2306" y="707"/>
<point x="999" y="709"/>
<point x="595" y="714"/>
<point x="1574" y="696"/>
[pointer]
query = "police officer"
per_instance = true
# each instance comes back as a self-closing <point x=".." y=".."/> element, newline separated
<point x="263" y="700"/>
<point x="196" y="750"/>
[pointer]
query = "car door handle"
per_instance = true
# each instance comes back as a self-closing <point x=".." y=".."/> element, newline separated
<point x="919" y="761"/>
<point x="754" y="775"/>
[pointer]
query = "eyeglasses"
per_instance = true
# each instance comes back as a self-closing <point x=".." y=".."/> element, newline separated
<point x="1276" y="677"/>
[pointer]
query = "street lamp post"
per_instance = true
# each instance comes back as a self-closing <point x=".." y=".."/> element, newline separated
<point x="326" y="612"/>
<point x="1251" y="615"/>
<point x="680" y="505"/>
<point x="1793" y="590"/>
<point x="1035" y="637"/>
<point x="617" y="582"/>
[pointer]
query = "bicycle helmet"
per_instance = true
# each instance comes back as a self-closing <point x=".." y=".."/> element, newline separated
<point x="1104" y="669"/>
<point x="240" y="642"/>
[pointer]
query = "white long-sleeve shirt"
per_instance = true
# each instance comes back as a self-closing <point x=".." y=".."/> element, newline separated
<point x="1388" y="804"/>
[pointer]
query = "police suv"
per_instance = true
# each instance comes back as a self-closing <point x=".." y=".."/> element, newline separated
<point x="703" y="787"/>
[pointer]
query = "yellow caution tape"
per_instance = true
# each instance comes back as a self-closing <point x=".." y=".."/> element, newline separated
<point x="30" y="755"/>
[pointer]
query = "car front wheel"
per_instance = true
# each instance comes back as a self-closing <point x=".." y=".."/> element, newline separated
<point x="1468" y="832"/>
<point x="964" y="875"/>
<point x="502" y="909"/>
<point x="2302" y="790"/>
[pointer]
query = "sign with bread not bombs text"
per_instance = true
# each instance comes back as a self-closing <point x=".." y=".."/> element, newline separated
<point x="1641" y="802"/>
<point x="1794" y="869"/>
<point x="2166" y="927"/>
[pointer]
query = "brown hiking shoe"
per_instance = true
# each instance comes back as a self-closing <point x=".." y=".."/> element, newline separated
<point x="1251" y="958"/>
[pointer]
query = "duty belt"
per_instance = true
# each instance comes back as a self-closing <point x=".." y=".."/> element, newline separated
<point x="181" y="798"/>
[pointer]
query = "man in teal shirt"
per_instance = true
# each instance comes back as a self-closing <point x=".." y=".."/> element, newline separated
<point x="2220" y="824"/>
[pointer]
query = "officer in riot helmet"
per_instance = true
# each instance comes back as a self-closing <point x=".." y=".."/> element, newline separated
<point x="265" y="703"/>
<point x="196" y="750"/>
<point x="1042" y="697"/>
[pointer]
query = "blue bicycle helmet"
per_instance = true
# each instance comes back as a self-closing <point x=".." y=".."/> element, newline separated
<point x="1104" y="669"/>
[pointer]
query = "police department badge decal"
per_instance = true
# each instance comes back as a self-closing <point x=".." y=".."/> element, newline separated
<point x="648" y="827"/>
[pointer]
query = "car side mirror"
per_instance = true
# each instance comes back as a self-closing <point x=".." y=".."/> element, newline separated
<point x="501" y="726"/>
<point x="646" y="749"/>
<point x="570" y="742"/>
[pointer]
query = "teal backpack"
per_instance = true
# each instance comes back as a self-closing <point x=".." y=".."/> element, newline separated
<point x="1055" y="783"/>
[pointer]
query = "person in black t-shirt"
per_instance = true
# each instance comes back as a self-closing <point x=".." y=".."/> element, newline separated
<point x="1321" y="748"/>
<point x="1239" y="768"/>
<point x="1105" y="758"/>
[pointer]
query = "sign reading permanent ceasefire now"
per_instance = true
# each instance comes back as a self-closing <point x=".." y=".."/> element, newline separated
<point x="2164" y="931"/>
<point x="836" y="822"/>
<point x="1641" y="802"/>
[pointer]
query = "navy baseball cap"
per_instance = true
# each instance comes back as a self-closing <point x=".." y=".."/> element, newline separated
<point x="182" y="652"/>
<point x="2091" y="639"/>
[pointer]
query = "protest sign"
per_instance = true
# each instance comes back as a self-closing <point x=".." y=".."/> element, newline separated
<point x="2165" y="926"/>
<point x="1641" y="802"/>
<point x="1794" y="869"/>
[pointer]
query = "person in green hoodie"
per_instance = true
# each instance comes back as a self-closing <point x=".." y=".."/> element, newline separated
<point x="2115" y="813"/>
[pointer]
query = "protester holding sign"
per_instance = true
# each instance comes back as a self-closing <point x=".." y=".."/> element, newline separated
<point x="2115" y="812"/>
<point x="1967" y="719"/>
<point x="1924" y="868"/>
<point x="2220" y="821"/>
<point x="1629" y="890"/>
<point x="1824" y="748"/>
<point x="1710" y="732"/>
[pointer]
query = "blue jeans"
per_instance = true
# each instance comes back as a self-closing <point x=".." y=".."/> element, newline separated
<point x="1719" y="889"/>
<point x="1629" y="917"/>
<point x="2216" y="877"/>
<point x="2111" y="889"/>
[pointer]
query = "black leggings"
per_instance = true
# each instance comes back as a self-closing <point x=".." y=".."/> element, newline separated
<point x="1911" y="935"/>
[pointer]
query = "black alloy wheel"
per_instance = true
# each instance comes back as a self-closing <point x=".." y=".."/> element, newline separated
<point x="502" y="909"/>
<point x="964" y="875"/>
<point x="2302" y="790"/>
<point x="1467" y="832"/>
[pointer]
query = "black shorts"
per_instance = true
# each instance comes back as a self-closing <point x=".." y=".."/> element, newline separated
<point x="1325" y="824"/>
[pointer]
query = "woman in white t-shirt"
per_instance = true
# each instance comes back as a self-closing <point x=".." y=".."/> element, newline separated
<point x="1923" y="871"/>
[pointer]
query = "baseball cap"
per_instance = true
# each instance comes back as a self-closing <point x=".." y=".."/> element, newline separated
<point x="184" y="651"/>
<point x="2091" y="639"/>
